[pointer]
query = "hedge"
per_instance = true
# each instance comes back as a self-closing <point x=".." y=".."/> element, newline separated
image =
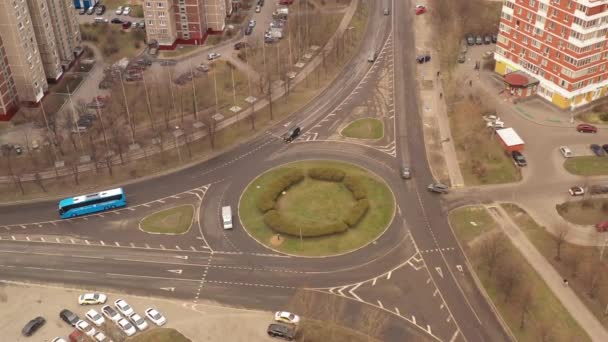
<point x="326" y="174"/>
<point x="275" y="221"/>
<point x="273" y="190"/>
<point x="356" y="186"/>
<point x="357" y="212"/>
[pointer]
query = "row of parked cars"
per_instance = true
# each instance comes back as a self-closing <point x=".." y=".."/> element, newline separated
<point x="122" y="314"/>
<point x="96" y="9"/>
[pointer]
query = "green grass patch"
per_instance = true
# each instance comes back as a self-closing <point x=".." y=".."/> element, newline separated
<point x="368" y="128"/>
<point x="114" y="42"/>
<point x="176" y="220"/>
<point x="471" y="223"/>
<point x="159" y="335"/>
<point x="581" y="265"/>
<point x="587" y="166"/>
<point x="334" y="200"/>
<point x="584" y="212"/>
<point x="514" y="287"/>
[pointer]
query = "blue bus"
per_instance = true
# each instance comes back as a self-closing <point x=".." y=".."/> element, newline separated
<point x="92" y="203"/>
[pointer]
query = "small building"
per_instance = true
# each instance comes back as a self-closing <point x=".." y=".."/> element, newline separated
<point x="510" y="140"/>
<point x="520" y="85"/>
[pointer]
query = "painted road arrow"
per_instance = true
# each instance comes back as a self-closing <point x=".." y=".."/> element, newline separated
<point x="176" y="271"/>
<point x="438" y="269"/>
<point x="168" y="288"/>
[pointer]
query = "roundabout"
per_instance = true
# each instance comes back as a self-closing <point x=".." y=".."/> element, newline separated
<point x="316" y="208"/>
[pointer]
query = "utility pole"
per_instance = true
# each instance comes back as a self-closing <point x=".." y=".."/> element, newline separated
<point x="193" y="89"/>
<point x="48" y="130"/>
<point x="75" y="123"/>
<point x="105" y="140"/>
<point x="131" y="124"/>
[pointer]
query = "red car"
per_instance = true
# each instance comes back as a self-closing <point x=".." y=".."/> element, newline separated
<point x="126" y="25"/>
<point x="586" y="128"/>
<point x="420" y="9"/>
<point x="602" y="226"/>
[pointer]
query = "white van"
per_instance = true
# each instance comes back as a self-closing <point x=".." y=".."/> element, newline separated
<point x="372" y="57"/>
<point x="227" y="217"/>
<point x="566" y="151"/>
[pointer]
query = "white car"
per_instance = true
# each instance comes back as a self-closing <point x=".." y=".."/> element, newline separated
<point x="100" y="337"/>
<point x="126" y="327"/>
<point x="119" y="10"/>
<point x="126" y="10"/>
<point x="58" y="339"/>
<point x="566" y="151"/>
<point x="155" y="316"/>
<point x="286" y="317"/>
<point x="92" y="298"/>
<point x="258" y="9"/>
<point x="576" y="191"/>
<point x="213" y="55"/>
<point x="110" y="313"/>
<point x="138" y="321"/>
<point x="252" y="23"/>
<point x="95" y="317"/>
<point x="123" y="307"/>
<point x="85" y="328"/>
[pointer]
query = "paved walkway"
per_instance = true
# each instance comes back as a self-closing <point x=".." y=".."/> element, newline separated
<point x="565" y="294"/>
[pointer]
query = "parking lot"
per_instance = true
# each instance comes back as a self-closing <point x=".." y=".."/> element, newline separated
<point x="201" y="322"/>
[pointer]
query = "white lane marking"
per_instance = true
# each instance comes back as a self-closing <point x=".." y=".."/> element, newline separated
<point x="374" y="282"/>
<point x="102" y="243"/>
<point x="175" y="271"/>
<point x="380" y="304"/>
<point x="388" y="277"/>
<point x="454" y="336"/>
<point x="117" y="244"/>
<point x="87" y="242"/>
<point x="397" y="311"/>
<point x="168" y="288"/>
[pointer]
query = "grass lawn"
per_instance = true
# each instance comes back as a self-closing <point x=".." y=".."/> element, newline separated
<point x="114" y="42"/>
<point x="546" y="318"/>
<point x="471" y="222"/>
<point x="587" y="166"/>
<point x="159" y="335"/>
<point x="580" y="265"/>
<point x="367" y="128"/>
<point x="176" y="220"/>
<point x="313" y="202"/>
<point x="179" y="51"/>
<point x="380" y="214"/>
<point x="584" y="212"/>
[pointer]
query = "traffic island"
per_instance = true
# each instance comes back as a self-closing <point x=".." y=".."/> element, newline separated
<point x="367" y="128"/>
<point x="586" y="212"/>
<point x="172" y="221"/>
<point x="587" y="166"/>
<point x="316" y="208"/>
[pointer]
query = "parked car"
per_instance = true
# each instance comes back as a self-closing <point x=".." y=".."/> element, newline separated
<point x="92" y="298"/>
<point x="470" y="39"/>
<point x="462" y="57"/>
<point x="241" y="45"/>
<point x="576" y="191"/>
<point x="126" y="11"/>
<point x="251" y="23"/>
<point x="496" y="124"/>
<point x="123" y="307"/>
<point x="100" y="10"/>
<point x="203" y="67"/>
<point x="281" y="331"/>
<point x="32" y="326"/>
<point x="487" y="39"/>
<point x="58" y="339"/>
<point x="116" y="21"/>
<point x="605" y="147"/>
<point x="126" y="327"/>
<point x="69" y="317"/>
<point x="110" y="313"/>
<point x="494" y="38"/>
<point x="602" y="226"/>
<point x="478" y="40"/>
<point x="423" y="58"/>
<point x="518" y="158"/>
<point x="213" y="55"/>
<point x="286" y="317"/>
<point x="406" y="172"/>
<point x="586" y="128"/>
<point x="248" y="30"/>
<point x="82" y="11"/>
<point x="566" y="151"/>
<point x="598" y="189"/>
<point x="118" y="10"/>
<point x="597" y="150"/>
<point x="85" y="328"/>
<point x="438" y="188"/>
<point x="95" y="317"/>
<point x="420" y="9"/>
<point x="155" y="316"/>
<point x="138" y="321"/>
<point x="90" y="10"/>
<point x="100" y="337"/>
<point x="258" y="9"/>
<point x="126" y="25"/>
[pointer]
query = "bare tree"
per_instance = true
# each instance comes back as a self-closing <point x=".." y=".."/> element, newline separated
<point x="592" y="278"/>
<point x="7" y="151"/>
<point x="75" y="171"/>
<point x="38" y="181"/>
<point x="559" y="238"/>
<point x="211" y="124"/>
<point x="492" y="250"/>
<point x="525" y="305"/>
<point x="508" y="279"/>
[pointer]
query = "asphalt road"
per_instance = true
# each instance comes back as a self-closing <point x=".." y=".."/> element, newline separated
<point x="411" y="273"/>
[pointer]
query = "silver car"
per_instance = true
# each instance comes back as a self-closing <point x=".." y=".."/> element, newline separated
<point x="406" y="172"/>
<point x="438" y="188"/>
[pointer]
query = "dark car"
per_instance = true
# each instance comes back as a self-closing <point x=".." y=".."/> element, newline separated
<point x="241" y="45"/>
<point x="478" y="40"/>
<point x="586" y="128"/>
<point x="598" y="189"/>
<point x="518" y="158"/>
<point x="423" y="58"/>
<point x="32" y="326"/>
<point x="126" y="25"/>
<point x="292" y="134"/>
<point x="281" y="331"/>
<point x="261" y="2"/>
<point x="69" y="317"/>
<point x="605" y="147"/>
<point x="248" y="30"/>
<point x="597" y="150"/>
<point x="116" y="21"/>
<point x="494" y="38"/>
<point x="487" y="39"/>
<point x="470" y="39"/>
<point x="438" y="188"/>
<point x="100" y="10"/>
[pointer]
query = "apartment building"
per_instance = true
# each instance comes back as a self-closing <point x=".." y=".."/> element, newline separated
<point x="21" y="49"/>
<point x="561" y="43"/>
<point x="216" y="12"/>
<point x="41" y="22"/>
<point x="66" y="30"/>
<point x="9" y="102"/>
<point x="160" y="21"/>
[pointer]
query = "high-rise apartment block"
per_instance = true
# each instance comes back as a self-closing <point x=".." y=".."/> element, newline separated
<point x="40" y="39"/>
<point x="172" y="22"/>
<point x="9" y="102"/>
<point x="563" y="44"/>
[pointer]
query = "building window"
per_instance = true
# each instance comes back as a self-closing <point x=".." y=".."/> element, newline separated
<point x="519" y="10"/>
<point x="532" y="3"/>
<point x="544" y="62"/>
<point x="549" y="38"/>
<point x="148" y="4"/>
<point x="160" y="5"/>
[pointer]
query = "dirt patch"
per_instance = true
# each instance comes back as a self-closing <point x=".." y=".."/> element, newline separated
<point x="276" y="240"/>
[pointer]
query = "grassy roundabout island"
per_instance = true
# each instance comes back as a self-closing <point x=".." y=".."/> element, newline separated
<point x="176" y="220"/>
<point x="367" y="128"/>
<point x="335" y="207"/>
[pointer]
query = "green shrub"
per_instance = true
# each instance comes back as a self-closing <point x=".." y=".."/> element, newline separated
<point x="604" y="116"/>
<point x="273" y="190"/>
<point x="356" y="186"/>
<point x="326" y="174"/>
<point x="357" y="212"/>
<point x="275" y="221"/>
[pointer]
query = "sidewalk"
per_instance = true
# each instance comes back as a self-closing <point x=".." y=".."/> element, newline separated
<point x="567" y="297"/>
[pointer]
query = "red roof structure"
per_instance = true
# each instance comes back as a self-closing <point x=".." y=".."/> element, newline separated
<point x="519" y="79"/>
